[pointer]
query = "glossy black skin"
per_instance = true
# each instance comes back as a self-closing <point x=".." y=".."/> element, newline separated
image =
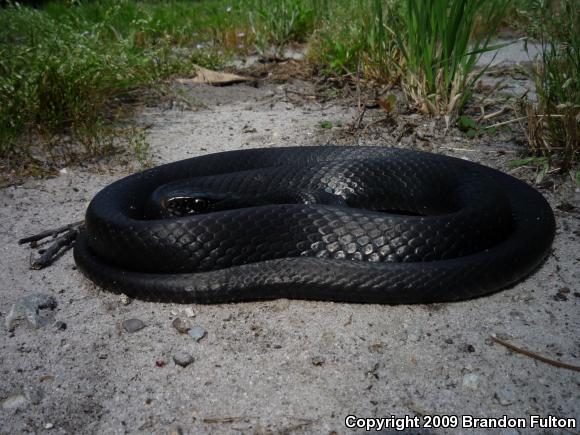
<point x="358" y="224"/>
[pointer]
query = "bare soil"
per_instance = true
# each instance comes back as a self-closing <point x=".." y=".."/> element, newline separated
<point x="282" y="366"/>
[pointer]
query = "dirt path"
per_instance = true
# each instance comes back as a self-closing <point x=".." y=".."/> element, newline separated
<point x="281" y="366"/>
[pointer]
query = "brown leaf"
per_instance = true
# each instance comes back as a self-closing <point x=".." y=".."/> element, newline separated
<point x="388" y="104"/>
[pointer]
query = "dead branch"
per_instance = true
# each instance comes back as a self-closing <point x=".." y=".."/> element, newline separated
<point x="48" y="233"/>
<point x="525" y="352"/>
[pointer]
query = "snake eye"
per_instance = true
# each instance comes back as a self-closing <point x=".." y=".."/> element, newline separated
<point x="185" y="205"/>
<point x="198" y="205"/>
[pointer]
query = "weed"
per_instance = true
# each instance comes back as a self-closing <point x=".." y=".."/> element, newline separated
<point x="441" y="49"/>
<point x="140" y="147"/>
<point x="540" y="164"/>
<point x="355" y="36"/>
<point x="553" y="122"/>
<point x="65" y="72"/>
<point x="278" y="22"/>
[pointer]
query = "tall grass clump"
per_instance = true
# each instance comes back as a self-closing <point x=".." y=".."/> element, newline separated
<point x="278" y="22"/>
<point x="441" y="43"/>
<point x="553" y="121"/>
<point x="354" y="35"/>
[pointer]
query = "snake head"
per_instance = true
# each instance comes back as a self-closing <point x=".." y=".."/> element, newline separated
<point x="187" y="205"/>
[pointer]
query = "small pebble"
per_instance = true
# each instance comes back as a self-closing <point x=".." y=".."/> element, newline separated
<point x="28" y="309"/>
<point x="560" y="297"/>
<point x="48" y="426"/>
<point x="124" y="299"/>
<point x="60" y="325"/>
<point x="318" y="360"/>
<point x="522" y="297"/>
<point x="471" y="380"/>
<point x="189" y="312"/>
<point x="414" y="333"/>
<point x="197" y="333"/>
<point x="180" y="325"/>
<point x="175" y="429"/>
<point x="15" y="400"/>
<point x="505" y="396"/>
<point x="133" y="325"/>
<point x="468" y="348"/>
<point x="183" y="359"/>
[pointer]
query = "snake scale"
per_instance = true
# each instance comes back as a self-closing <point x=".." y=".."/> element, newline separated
<point x="354" y="224"/>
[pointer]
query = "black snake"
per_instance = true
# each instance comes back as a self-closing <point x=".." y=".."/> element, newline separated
<point x="359" y="224"/>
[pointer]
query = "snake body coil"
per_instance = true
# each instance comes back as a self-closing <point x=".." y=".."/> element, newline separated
<point x="359" y="224"/>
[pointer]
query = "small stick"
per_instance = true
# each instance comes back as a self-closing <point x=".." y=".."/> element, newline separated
<point x="63" y="242"/>
<point x="494" y="114"/>
<point x="535" y="355"/>
<point x="48" y="233"/>
<point x="224" y="419"/>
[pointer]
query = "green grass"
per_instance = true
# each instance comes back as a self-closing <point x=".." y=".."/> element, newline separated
<point x="354" y="36"/>
<point x="67" y="70"/>
<point x="553" y="125"/>
<point x="441" y="48"/>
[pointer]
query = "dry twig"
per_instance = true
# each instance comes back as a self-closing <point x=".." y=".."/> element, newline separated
<point x="552" y="362"/>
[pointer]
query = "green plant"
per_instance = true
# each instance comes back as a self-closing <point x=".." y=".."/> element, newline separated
<point x="441" y="49"/>
<point x="472" y="128"/>
<point x="355" y="36"/>
<point x="278" y="22"/>
<point x="540" y="164"/>
<point x="65" y="71"/>
<point x="553" y="121"/>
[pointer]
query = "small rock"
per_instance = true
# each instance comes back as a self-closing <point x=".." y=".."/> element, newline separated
<point x="505" y="396"/>
<point x="181" y="325"/>
<point x="318" y="360"/>
<point x="28" y="309"/>
<point x="468" y="348"/>
<point x="565" y="206"/>
<point x="175" y="429"/>
<point x="471" y="381"/>
<point x="183" y="359"/>
<point x="197" y="333"/>
<point x="60" y="325"/>
<point x="133" y="325"/>
<point x="377" y="347"/>
<point x="522" y="297"/>
<point x="247" y="129"/>
<point x="124" y="299"/>
<point x="48" y="426"/>
<point x="560" y="297"/>
<point x="414" y="333"/>
<point x="15" y="400"/>
<point x="189" y="312"/>
<point x="544" y="381"/>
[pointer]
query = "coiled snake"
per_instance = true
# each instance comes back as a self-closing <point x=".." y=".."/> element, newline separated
<point x="359" y="224"/>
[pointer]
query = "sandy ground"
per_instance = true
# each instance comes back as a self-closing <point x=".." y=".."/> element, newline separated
<point x="280" y="366"/>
